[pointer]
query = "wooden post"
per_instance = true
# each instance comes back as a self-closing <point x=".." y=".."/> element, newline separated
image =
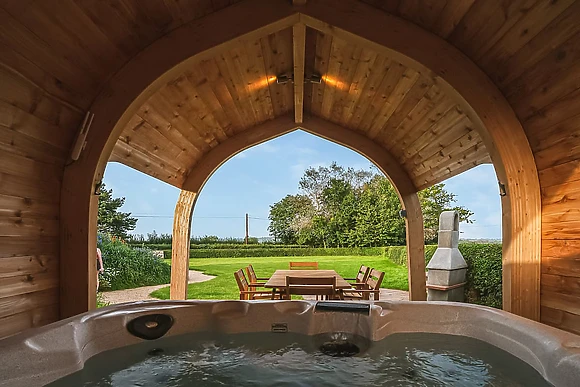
<point x="247" y="228"/>
<point x="180" y="245"/>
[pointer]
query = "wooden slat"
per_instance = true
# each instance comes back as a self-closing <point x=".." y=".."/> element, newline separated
<point x="409" y="90"/>
<point x="339" y="56"/>
<point x="560" y="319"/>
<point x="23" y="246"/>
<point x="346" y="75"/>
<point x="422" y="12"/>
<point x="561" y="284"/>
<point x="561" y="248"/>
<point x="360" y="78"/>
<point x="376" y="102"/>
<point x="321" y="63"/>
<point x="29" y="319"/>
<point x="567" y="172"/>
<point x="568" y="266"/>
<point x="299" y="52"/>
<point x="19" y="206"/>
<point x="567" y="228"/>
<point x="309" y="63"/>
<point x="28" y="226"/>
<point x="567" y="303"/>
<point x="554" y="113"/>
<point x="23" y="302"/>
<point x="26" y="264"/>
<point x="559" y="30"/>
<point x="29" y="98"/>
<point x="29" y="283"/>
<point x="566" y="150"/>
<point x="543" y="138"/>
<point x="450" y="16"/>
<point x="26" y="186"/>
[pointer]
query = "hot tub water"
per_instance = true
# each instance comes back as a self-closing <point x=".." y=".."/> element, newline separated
<point x="290" y="359"/>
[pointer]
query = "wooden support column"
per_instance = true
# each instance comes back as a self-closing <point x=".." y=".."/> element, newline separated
<point x="401" y="182"/>
<point x="299" y="49"/>
<point x="180" y="245"/>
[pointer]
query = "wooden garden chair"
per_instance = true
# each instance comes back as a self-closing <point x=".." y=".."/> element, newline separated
<point x="303" y="265"/>
<point x="253" y="279"/>
<point x="371" y="286"/>
<point x="314" y="286"/>
<point x="246" y="293"/>
<point x="361" y="277"/>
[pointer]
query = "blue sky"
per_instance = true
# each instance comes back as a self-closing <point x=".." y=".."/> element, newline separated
<point x="260" y="176"/>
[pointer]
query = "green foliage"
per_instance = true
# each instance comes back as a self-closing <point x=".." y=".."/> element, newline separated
<point x="111" y="221"/>
<point x="484" y="276"/>
<point x="484" y="273"/>
<point x="101" y="303"/>
<point x="224" y="287"/>
<point x="341" y="207"/>
<point x="127" y="267"/>
<point x="434" y="200"/>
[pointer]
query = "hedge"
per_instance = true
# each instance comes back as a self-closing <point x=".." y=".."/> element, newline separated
<point x="216" y="246"/>
<point x="281" y="252"/>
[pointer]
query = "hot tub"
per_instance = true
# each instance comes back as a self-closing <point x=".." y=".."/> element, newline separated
<point x="41" y="356"/>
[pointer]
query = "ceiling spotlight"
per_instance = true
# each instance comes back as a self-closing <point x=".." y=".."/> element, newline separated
<point x="313" y="78"/>
<point x="282" y="79"/>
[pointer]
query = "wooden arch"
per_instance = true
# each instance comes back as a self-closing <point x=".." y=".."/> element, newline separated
<point x="161" y="61"/>
<point x="199" y="175"/>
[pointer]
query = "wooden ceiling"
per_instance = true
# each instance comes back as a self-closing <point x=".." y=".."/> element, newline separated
<point x="401" y="109"/>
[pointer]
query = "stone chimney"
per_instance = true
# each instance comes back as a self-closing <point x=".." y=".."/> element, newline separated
<point x="447" y="268"/>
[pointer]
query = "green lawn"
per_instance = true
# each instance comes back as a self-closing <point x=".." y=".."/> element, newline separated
<point x="224" y="286"/>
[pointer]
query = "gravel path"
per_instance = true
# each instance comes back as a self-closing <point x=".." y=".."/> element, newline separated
<point x="140" y="294"/>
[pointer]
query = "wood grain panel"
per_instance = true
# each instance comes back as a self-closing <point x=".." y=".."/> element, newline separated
<point x="30" y="318"/>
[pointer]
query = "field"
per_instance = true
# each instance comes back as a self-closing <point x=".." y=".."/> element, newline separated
<point x="224" y="286"/>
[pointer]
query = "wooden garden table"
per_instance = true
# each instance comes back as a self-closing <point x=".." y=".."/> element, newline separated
<point x="278" y="279"/>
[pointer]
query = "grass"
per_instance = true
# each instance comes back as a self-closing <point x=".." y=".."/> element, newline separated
<point x="224" y="286"/>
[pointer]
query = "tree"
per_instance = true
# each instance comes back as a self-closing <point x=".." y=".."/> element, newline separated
<point x="110" y="220"/>
<point x="347" y="207"/>
<point x="434" y="200"/>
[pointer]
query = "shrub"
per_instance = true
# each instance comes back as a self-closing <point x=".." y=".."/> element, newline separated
<point x="283" y="252"/>
<point x="127" y="267"/>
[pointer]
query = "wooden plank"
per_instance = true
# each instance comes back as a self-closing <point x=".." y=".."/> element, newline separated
<point x="23" y="302"/>
<point x="426" y="113"/>
<point x="561" y="248"/>
<point x="450" y="16"/>
<point x="29" y="283"/>
<point x="18" y="185"/>
<point x="28" y="319"/>
<point x="299" y="52"/>
<point x="180" y="244"/>
<point x="561" y="193"/>
<point x="566" y="150"/>
<point x="309" y="63"/>
<point x="18" y="165"/>
<point x="382" y="93"/>
<point x="547" y="137"/>
<point x="216" y="80"/>
<point x="404" y="98"/>
<point x="321" y="63"/>
<point x="378" y="72"/>
<point x="269" y="52"/>
<point x="559" y="30"/>
<point x="564" y="173"/>
<point x="567" y="303"/>
<point x="568" y="266"/>
<point x="471" y="23"/>
<point x="19" y="206"/>
<point x="554" y="113"/>
<point x="24" y="246"/>
<point x="561" y="284"/>
<point x="20" y="144"/>
<point x="20" y="93"/>
<point x="26" y="264"/>
<point x="422" y="12"/>
<point x="567" y="228"/>
<point x="339" y="55"/>
<point x="360" y="78"/>
<point x="560" y="319"/>
<point x="28" y="226"/>
<point x="346" y="74"/>
<point x="551" y="78"/>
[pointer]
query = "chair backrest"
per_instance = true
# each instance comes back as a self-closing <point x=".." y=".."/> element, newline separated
<point x="320" y="286"/>
<point x="241" y="280"/>
<point x="375" y="279"/>
<point x="363" y="274"/>
<point x="251" y="274"/>
<point x="303" y="265"/>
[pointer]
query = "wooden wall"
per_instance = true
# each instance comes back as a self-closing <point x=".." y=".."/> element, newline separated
<point x="34" y="144"/>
